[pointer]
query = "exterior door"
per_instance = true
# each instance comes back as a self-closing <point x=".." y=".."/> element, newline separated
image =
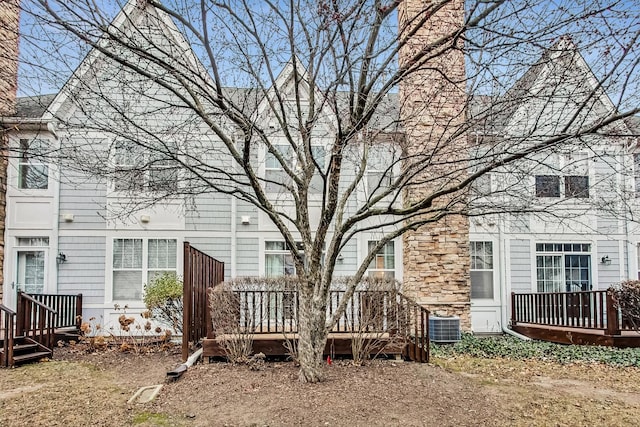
<point x="30" y="268"/>
<point x="31" y="271"/>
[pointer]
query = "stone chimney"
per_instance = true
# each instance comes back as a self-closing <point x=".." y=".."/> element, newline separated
<point x="433" y="106"/>
<point x="9" y="20"/>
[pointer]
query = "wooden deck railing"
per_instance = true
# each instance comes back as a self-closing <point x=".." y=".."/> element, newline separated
<point x="200" y="272"/>
<point x="68" y="307"/>
<point x="7" y="322"/>
<point x="276" y="311"/>
<point x="35" y="320"/>
<point x="585" y="310"/>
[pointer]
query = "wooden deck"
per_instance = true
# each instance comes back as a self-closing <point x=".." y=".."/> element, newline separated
<point x="338" y="344"/>
<point x="584" y="318"/>
<point x="579" y="336"/>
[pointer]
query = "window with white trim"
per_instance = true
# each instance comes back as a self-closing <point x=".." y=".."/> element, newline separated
<point x="33" y="173"/>
<point x="383" y="264"/>
<point x="481" y="270"/>
<point x="572" y="183"/>
<point x="138" y="261"/>
<point x="563" y="267"/>
<point x="379" y="173"/>
<point x="278" y="261"/>
<point x="139" y="169"/>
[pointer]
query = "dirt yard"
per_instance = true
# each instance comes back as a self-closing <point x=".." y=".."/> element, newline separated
<point x="92" y="389"/>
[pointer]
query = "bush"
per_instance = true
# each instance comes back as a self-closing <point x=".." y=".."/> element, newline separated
<point x="513" y="348"/>
<point x="626" y="297"/>
<point x="163" y="297"/>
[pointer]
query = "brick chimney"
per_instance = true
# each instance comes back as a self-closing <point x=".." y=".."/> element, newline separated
<point x="9" y="20"/>
<point x="436" y="256"/>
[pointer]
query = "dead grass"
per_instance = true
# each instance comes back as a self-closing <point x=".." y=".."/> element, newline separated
<point x="81" y="389"/>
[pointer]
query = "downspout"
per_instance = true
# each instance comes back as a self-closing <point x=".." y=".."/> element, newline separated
<point x="182" y="368"/>
<point x="503" y="284"/>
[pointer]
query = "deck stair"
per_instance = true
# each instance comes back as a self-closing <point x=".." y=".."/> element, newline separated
<point x="27" y="350"/>
<point x="30" y="333"/>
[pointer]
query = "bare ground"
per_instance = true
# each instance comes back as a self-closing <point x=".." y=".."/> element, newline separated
<point x="92" y="389"/>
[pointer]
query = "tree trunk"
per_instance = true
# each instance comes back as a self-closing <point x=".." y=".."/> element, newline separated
<point x="312" y="338"/>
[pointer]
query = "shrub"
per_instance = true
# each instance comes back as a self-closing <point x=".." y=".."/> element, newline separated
<point x="513" y="348"/>
<point x="163" y="297"/>
<point x="626" y="297"/>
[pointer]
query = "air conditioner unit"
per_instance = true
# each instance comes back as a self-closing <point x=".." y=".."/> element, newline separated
<point x="444" y="329"/>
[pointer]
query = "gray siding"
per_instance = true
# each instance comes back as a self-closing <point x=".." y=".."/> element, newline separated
<point x="608" y="274"/>
<point x="85" y="199"/>
<point x="210" y="212"/>
<point x="247" y="253"/>
<point x="84" y="270"/>
<point x="219" y="248"/>
<point x="521" y="279"/>
<point x="349" y="262"/>
<point x="608" y="225"/>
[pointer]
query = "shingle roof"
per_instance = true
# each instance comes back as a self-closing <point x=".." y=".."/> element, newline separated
<point x="33" y="107"/>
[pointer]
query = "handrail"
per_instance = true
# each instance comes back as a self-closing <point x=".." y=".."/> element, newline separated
<point x="69" y="308"/>
<point x="264" y="311"/>
<point x="7" y="334"/>
<point x="581" y="309"/>
<point x="35" y="320"/>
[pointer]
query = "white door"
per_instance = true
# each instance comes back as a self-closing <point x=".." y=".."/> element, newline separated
<point x="30" y="261"/>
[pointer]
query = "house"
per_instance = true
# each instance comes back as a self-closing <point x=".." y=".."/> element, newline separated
<point x="556" y="220"/>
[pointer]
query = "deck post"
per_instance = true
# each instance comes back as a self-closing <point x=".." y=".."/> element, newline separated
<point x="613" y="323"/>
<point x="78" y="311"/>
<point x="513" y="309"/>
<point x="186" y="303"/>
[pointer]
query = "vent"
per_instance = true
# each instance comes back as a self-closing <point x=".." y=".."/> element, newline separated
<point x="444" y="329"/>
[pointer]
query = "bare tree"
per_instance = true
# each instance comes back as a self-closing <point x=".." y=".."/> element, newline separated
<point x="322" y="141"/>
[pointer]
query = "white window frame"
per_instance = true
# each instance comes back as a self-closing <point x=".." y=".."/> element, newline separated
<point x="561" y="251"/>
<point x="145" y="268"/>
<point x="381" y="255"/>
<point x="486" y="260"/>
<point x="27" y="162"/>
<point x="138" y="175"/>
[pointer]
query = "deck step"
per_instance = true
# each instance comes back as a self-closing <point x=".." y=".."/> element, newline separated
<point x="22" y="348"/>
<point x="30" y="357"/>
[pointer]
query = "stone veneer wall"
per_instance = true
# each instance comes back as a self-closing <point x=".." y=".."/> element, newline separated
<point x="9" y="18"/>
<point x="436" y="256"/>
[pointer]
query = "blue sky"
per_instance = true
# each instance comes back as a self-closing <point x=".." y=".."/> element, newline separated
<point x="505" y="50"/>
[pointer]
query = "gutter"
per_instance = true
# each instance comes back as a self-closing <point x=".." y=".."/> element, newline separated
<point x="23" y="123"/>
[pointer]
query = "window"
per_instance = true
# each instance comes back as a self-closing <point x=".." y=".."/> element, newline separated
<point x="275" y="175"/>
<point x="563" y="267"/>
<point x="576" y="179"/>
<point x="383" y="264"/>
<point x="138" y="169"/>
<point x="137" y="261"/>
<point x="547" y="186"/>
<point x="278" y="260"/>
<point x="481" y="186"/>
<point x="481" y="270"/>
<point x="576" y="186"/>
<point x="379" y="174"/>
<point x="32" y="173"/>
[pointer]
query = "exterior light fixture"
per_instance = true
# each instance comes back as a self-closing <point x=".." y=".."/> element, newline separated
<point x="61" y="258"/>
<point x="605" y="260"/>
